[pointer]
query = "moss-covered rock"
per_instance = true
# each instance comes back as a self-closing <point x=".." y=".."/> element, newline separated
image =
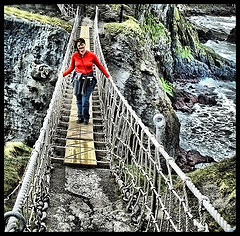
<point x="128" y="27"/>
<point x="129" y="56"/>
<point x="186" y="57"/>
<point x="35" y="16"/>
<point x="218" y="182"/>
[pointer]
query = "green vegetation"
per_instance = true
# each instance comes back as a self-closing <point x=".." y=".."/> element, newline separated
<point x="156" y="30"/>
<point x="184" y="52"/>
<point x="115" y="6"/>
<point x="16" y="156"/>
<point x="218" y="182"/>
<point x="167" y="86"/>
<point x="128" y="27"/>
<point x="41" y="18"/>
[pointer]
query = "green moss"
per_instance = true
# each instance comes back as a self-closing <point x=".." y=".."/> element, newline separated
<point x="176" y="14"/>
<point x="184" y="52"/>
<point x="41" y="18"/>
<point x="155" y="29"/>
<point x="16" y="156"/>
<point x="128" y="27"/>
<point x="115" y="6"/>
<point x="222" y="176"/>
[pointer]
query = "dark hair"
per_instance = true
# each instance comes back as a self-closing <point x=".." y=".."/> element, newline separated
<point x="81" y="40"/>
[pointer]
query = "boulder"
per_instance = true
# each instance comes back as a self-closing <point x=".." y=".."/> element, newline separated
<point x="187" y="159"/>
<point x="232" y="36"/>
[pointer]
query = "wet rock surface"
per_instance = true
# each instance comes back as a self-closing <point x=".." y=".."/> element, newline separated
<point x="187" y="159"/>
<point x="184" y="101"/>
<point x="85" y="200"/>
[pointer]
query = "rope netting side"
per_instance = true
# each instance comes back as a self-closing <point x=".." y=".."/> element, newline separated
<point x="158" y="194"/>
<point x="68" y="10"/>
<point x="33" y="196"/>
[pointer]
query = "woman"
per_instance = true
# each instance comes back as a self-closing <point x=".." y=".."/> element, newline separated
<point x="83" y="79"/>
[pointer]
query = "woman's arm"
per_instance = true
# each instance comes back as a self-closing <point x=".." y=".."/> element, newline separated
<point x="100" y="66"/>
<point x="71" y="67"/>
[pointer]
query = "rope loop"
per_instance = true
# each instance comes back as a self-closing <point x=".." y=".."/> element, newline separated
<point x="17" y="215"/>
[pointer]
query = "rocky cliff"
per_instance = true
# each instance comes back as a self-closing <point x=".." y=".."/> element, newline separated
<point x="144" y="42"/>
<point x="141" y="44"/>
<point x="178" y="51"/>
<point x="33" y="53"/>
<point x="135" y="72"/>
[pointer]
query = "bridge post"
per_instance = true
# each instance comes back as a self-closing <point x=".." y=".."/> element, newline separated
<point x="160" y="123"/>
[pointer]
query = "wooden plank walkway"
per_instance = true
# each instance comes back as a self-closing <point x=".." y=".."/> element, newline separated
<point x="79" y="144"/>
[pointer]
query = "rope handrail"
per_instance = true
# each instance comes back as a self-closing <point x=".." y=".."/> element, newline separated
<point x="123" y="130"/>
<point x="35" y="184"/>
<point x="158" y="194"/>
<point x="67" y="10"/>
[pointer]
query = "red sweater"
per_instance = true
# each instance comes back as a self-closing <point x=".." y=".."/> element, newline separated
<point x="84" y="64"/>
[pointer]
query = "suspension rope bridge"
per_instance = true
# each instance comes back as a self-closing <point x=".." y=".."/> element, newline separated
<point x="158" y="198"/>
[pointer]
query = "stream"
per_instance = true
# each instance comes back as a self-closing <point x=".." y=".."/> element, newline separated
<point x="212" y="129"/>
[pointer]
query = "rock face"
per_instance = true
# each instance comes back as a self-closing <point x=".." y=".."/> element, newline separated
<point x="190" y="59"/>
<point x="135" y="70"/>
<point x="33" y="54"/>
<point x="232" y="36"/>
<point x="170" y="48"/>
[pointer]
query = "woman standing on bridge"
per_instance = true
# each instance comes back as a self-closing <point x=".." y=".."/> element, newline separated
<point x="83" y="79"/>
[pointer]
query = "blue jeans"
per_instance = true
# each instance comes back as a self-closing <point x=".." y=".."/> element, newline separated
<point x="83" y="103"/>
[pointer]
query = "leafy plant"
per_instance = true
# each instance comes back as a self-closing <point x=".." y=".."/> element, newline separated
<point x="185" y="52"/>
<point x="167" y="86"/>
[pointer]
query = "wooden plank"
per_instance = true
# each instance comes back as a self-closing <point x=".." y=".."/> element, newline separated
<point x="79" y="144"/>
<point x="85" y="35"/>
<point x="80" y="152"/>
<point x="84" y="32"/>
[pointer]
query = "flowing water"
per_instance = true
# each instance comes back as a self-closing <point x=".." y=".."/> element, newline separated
<point x="222" y="24"/>
<point x="212" y="129"/>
